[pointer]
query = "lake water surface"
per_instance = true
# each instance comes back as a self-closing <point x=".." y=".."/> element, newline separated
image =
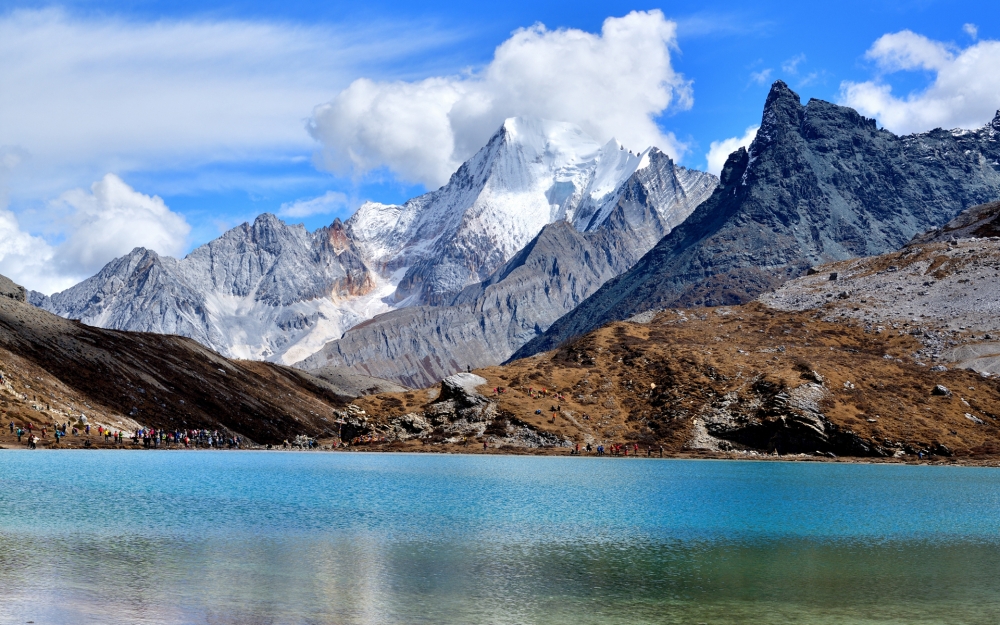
<point x="269" y="537"/>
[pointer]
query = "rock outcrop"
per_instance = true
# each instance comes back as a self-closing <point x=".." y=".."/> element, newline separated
<point x="819" y="183"/>
<point x="458" y="415"/>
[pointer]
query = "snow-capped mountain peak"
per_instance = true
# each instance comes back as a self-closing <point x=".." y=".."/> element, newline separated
<point x="532" y="172"/>
<point x="274" y="291"/>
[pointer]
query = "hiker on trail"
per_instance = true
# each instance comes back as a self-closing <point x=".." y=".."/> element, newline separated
<point x="485" y="446"/>
<point x="661" y="451"/>
<point x="11" y="427"/>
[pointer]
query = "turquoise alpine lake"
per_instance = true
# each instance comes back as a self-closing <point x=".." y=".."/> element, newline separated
<point x="316" y="538"/>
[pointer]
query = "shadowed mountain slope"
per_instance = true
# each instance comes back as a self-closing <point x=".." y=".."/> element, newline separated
<point x="55" y="369"/>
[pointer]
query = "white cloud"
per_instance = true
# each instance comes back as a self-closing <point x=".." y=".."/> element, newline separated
<point x="971" y="30"/>
<point x="965" y="92"/>
<point x="719" y="151"/>
<point x="23" y="258"/>
<point x="110" y="220"/>
<point x="791" y="66"/>
<point x="100" y="224"/>
<point x="87" y="95"/>
<point x="762" y="77"/>
<point x="329" y="202"/>
<point x="615" y="83"/>
<point x="26" y="259"/>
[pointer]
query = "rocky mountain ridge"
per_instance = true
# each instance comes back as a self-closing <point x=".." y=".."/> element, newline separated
<point x="273" y="291"/>
<point x="485" y="323"/>
<point x="261" y="291"/>
<point x="819" y="183"/>
<point x="531" y="173"/>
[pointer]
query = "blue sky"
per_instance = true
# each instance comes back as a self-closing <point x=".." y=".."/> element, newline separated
<point x="108" y="106"/>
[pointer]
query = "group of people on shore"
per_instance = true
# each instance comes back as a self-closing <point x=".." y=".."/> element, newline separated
<point x="148" y="438"/>
<point x="622" y="449"/>
<point x="151" y="438"/>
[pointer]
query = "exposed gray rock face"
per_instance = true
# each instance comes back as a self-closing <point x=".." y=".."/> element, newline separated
<point x="350" y="384"/>
<point x="8" y="288"/>
<point x="946" y="295"/>
<point x="256" y="292"/>
<point x="485" y="323"/>
<point x="776" y="420"/>
<point x="976" y="222"/>
<point x="819" y="183"/>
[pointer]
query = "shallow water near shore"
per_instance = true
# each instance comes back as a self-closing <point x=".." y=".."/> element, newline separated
<point x="267" y="537"/>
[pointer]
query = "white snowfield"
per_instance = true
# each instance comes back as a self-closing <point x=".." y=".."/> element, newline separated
<point x="276" y="292"/>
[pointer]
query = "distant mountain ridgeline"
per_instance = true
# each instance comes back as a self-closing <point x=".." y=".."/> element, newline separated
<point x="276" y="292"/>
<point x="544" y="235"/>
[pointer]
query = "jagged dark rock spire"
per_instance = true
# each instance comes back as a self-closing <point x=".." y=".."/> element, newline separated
<point x="820" y="182"/>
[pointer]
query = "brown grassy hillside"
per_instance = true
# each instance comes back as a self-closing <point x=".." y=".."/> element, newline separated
<point x="737" y="380"/>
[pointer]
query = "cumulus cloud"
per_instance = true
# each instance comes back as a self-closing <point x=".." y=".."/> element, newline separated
<point x="26" y="259"/>
<point x="329" y="202"/>
<point x="971" y="30"/>
<point x="615" y="83"/>
<point x="965" y="92"/>
<point x="719" y="151"/>
<point x="110" y="220"/>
